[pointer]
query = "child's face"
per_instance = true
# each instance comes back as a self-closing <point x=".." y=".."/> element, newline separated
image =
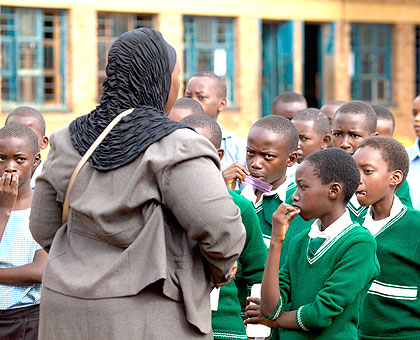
<point x="311" y="196"/>
<point x="309" y="140"/>
<point x="16" y="157"/>
<point x="268" y="156"/>
<point x="375" y="179"/>
<point x="348" y="131"/>
<point x="384" y="127"/>
<point x="205" y="90"/>
<point x="33" y="124"/>
<point x="287" y="110"/>
<point x="329" y="110"/>
<point x="178" y="113"/>
<point x="416" y="116"/>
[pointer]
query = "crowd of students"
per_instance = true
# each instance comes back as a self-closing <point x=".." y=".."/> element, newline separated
<point x="334" y="241"/>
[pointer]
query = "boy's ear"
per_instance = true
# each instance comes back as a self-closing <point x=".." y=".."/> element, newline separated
<point x="292" y="158"/>
<point x="222" y="104"/>
<point x="326" y="141"/>
<point x="44" y="142"/>
<point x="335" y="190"/>
<point x="396" y="178"/>
<point x="221" y="153"/>
<point x="37" y="160"/>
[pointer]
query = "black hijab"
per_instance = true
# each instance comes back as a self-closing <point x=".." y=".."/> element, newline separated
<point x="139" y="69"/>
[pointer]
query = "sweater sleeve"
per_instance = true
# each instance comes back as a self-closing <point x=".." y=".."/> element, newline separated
<point x="254" y="254"/>
<point x="194" y="191"/>
<point x="352" y="274"/>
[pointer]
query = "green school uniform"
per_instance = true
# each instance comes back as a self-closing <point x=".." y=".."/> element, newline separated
<point x="328" y="287"/>
<point x="358" y="212"/>
<point x="265" y="210"/>
<point x="227" y="322"/>
<point x="391" y="309"/>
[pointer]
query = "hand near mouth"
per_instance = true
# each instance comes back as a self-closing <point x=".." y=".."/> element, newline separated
<point x="281" y="221"/>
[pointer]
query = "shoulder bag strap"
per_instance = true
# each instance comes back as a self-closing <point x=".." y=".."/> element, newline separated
<point x="85" y="157"/>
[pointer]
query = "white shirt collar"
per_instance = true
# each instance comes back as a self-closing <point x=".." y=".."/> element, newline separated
<point x="332" y="230"/>
<point x="249" y="193"/>
<point x="375" y="226"/>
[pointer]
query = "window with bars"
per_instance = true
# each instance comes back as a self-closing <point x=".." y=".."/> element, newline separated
<point x="372" y="51"/>
<point x="33" y="51"/>
<point x="209" y="45"/>
<point x="110" y="27"/>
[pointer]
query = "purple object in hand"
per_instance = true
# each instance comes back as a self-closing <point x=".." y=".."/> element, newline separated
<point x="258" y="184"/>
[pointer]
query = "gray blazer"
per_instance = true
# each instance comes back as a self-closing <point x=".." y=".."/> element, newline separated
<point x="165" y="216"/>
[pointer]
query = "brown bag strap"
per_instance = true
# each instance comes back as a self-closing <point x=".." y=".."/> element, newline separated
<point x="85" y="157"/>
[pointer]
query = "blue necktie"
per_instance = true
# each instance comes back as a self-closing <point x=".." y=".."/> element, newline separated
<point x="314" y="245"/>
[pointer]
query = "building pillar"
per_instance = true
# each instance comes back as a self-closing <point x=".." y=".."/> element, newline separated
<point x="404" y="78"/>
<point x="82" y="50"/>
<point x="342" y="79"/>
<point x="298" y="36"/>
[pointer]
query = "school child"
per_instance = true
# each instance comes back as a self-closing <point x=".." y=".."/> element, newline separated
<point x="385" y="125"/>
<point x="227" y="322"/>
<point x="391" y="307"/>
<point x="288" y="104"/>
<point x="184" y="107"/>
<point x="22" y="261"/>
<point x="314" y="134"/>
<point x="210" y="91"/>
<point x="271" y="149"/>
<point x="329" y="269"/>
<point x="33" y="119"/>
<point x="352" y="123"/>
<point x="414" y="155"/>
<point x="330" y="108"/>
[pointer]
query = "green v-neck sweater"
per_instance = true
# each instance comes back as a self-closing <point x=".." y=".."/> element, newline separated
<point x="227" y="322"/>
<point x="391" y="309"/>
<point x="328" y="289"/>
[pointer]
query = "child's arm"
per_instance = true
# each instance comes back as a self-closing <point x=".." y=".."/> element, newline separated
<point x="26" y="274"/>
<point x="233" y="173"/>
<point x="270" y="290"/>
<point x="8" y="195"/>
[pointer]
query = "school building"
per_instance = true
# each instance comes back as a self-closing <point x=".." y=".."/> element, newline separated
<point x="53" y="52"/>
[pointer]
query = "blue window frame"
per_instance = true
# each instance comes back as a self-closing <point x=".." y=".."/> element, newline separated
<point x="372" y="51"/>
<point x="110" y="27"/>
<point x="209" y="45"/>
<point x="277" y="61"/>
<point x="33" y="54"/>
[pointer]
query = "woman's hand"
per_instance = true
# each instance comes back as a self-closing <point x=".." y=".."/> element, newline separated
<point x="231" y="276"/>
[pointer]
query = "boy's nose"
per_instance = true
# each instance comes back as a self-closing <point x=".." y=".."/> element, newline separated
<point x="256" y="163"/>
<point x="295" y="196"/>
<point x="11" y="167"/>
<point x="345" y="143"/>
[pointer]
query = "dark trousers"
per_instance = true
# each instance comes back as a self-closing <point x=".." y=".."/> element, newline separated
<point x="19" y="323"/>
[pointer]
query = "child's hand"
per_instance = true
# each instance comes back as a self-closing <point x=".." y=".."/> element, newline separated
<point x="8" y="191"/>
<point x="253" y="315"/>
<point x="233" y="173"/>
<point x="282" y="217"/>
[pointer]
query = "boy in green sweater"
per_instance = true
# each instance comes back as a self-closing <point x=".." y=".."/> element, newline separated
<point x="329" y="269"/>
<point x="272" y="148"/>
<point x="352" y="124"/>
<point x="227" y="322"/>
<point x="391" y="309"/>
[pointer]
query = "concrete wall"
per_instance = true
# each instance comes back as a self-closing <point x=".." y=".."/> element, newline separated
<point x="82" y="59"/>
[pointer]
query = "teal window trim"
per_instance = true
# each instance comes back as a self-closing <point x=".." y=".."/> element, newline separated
<point x="23" y="53"/>
<point x="203" y="36"/>
<point x="417" y="60"/>
<point x="277" y="61"/>
<point x="372" y="51"/>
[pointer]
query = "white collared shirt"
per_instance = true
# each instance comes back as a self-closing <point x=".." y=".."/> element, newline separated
<point x="235" y="148"/>
<point x="331" y="231"/>
<point x="374" y="226"/>
<point x="249" y="193"/>
<point x="414" y="173"/>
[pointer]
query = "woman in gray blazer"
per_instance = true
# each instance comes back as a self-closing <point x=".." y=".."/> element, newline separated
<point x="151" y="227"/>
